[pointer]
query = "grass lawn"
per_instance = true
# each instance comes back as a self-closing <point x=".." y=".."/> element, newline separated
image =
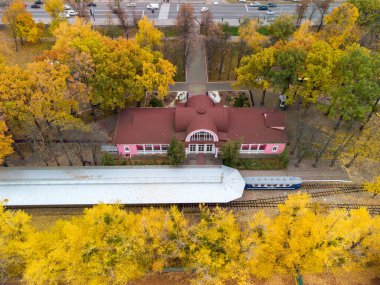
<point x="169" y="31"/>
<point x="172" y="49"/>
<point x="230" y="62"/>
<point x="26" y="53"/>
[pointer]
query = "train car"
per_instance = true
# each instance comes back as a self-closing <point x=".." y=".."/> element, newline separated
<point x="272" y="182"/>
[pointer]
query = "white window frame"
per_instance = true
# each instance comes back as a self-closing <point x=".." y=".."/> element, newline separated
<point x="192" y="137"/>
<point x="249" y="151"/>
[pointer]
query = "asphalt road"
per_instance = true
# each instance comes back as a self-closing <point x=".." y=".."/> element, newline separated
<point x="168" y="12"/>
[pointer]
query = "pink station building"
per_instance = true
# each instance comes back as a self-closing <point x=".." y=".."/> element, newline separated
<point x="203" y="126"/>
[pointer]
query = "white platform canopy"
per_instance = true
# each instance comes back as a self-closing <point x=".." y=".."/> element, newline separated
<point x="124" y="185"/>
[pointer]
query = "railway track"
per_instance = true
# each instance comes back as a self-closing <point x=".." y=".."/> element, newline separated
<point x="272" y="202"/>
<point x="331" y="185"/>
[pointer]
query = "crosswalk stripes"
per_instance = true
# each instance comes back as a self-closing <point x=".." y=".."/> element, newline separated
<point x="164" y="11"/>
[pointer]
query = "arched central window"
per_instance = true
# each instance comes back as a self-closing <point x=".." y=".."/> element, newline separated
<point x="202" y="136"/>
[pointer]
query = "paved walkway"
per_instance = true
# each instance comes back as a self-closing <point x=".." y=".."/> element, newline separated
<point x="196" y="68"/>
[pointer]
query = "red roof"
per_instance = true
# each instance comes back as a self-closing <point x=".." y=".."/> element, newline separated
<point x="159" y="125"/>
<point x="145" y="125"/>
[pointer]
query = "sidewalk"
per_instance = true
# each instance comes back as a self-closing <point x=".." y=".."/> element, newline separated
<point x="196" y="68"/>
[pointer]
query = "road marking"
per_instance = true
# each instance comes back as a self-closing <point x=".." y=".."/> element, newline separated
<point x="246" y="7"/>
<point x="164" y="12"/>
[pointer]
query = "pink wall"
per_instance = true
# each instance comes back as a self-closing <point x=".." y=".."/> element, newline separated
<point x="268" y="149"/>
<point x="132" y="149"/>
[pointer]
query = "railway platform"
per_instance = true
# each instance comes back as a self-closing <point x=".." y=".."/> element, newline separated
<point x="306" y="171"/>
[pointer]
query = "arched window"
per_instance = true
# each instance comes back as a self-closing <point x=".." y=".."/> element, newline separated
<point x="202" y="136"/>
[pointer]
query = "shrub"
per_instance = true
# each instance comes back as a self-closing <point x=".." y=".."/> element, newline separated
<point x="108" y="160"/>
<point x="176" y="152"/>
<point x="229" y="153"/>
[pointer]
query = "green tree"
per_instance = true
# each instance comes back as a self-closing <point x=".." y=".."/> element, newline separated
<point x="254" y="71"/>
<point x="282" y="27"/>
<point x="357" y="88"/>
<point x="176" y="152"/>
<point x="289" y="62"/>
<point x="229" y="152"/>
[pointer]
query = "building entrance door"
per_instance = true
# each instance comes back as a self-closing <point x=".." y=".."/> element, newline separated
<point x="202" y="148"/>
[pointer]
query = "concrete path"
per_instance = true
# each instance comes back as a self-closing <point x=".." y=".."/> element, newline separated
<point x="196" y="68"/>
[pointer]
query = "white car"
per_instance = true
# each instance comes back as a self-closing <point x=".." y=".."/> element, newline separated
<point x="254" y="4"/>
<point x="131" y="5"/>
<point x="269" y="12"/>
<point x="64" y="15"/>
<point x="72" y="13"/>
<point x="67" y="7"/>
<point x="242" y="0"/>
<point x="215" y="2"/>
<point x="204" y="9"/>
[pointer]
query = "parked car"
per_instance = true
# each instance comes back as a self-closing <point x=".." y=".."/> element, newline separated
<point x="64" y="15"/>
<point x="272" y="5"/>
<point x="270" y="12"/>
<point x="254" y="4"/>
<point x="35" y="6"/>
<point x="38" y="2"/>
<point x="91" y="4"/>
<point x="153" y="6"/>
<point x="282" y="102"/>
<point x="131" y="4"/>
<point x="263" y="7"/>
<point x="242" y="0"/>
<point x="204" y="9"/>
<point x="67" y="7"/>
<point x="72" y="13"/>
<point x="215" y="2"/>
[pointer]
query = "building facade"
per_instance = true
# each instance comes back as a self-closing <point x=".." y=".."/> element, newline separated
<point x="203" y="126"/>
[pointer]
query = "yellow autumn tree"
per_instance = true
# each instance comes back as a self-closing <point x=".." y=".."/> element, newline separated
<point x="166" y="235"/>
<point x="12" y="16"/>
<point x="340" y="28"/>
<point x="251" y="37"/>
<point x="104" y="246"/>
<point x="148" y="36"/>
<point x="6" y="142"/>
<point x="215" y="249"/>
<point x="374" y="186"/>
<point x="14" y="231"/>
<point x="302" y="240"/>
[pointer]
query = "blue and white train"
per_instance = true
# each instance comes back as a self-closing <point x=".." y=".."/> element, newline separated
<point x="272" y="182"/>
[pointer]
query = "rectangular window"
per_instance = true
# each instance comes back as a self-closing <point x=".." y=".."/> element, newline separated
<point x="164" y="147"/>
<point x="156" y="147"/>
<point x="140" y="147"/>
<point x="209" y="147"/>
<point x="126" y="148"/>
<point x="262" y="147"/>
<point x="201" y="147"/>
<point x="253" y="147"/>
<point x="245" y="147"/>
<point x="192" y="147"/>
<point x="275" y="148"/>
<point x="148" y="147"/>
